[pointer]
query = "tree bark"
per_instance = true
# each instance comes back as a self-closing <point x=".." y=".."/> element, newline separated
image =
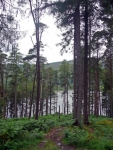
<point x="22" y="101"/>
<point x="79" y="64"/>
<point x="75" y="72"/>
<point x="38" y="67"/>
<point x="67" y="98"/>
<point x="86" y="121"/>
<point x="32" y="94"/>
<point x="50" y="94"/>
<point x="97" y="88"/>
<point x="26" y="97"/>
<point x="15" y="98"/>
<point x="36" y="23"/>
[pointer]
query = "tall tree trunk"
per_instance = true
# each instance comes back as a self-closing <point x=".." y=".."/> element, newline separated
<point x="7" y="105"/>
<point x="22" y="107"/>
<point x="111" y="84"/>
<point x="47" y="92"/>
<point x="74" y="77"/>
<point x="38" y="66"/>
<point x="47" y="103"/>
<point x="50" y="96"/>
<point x="2" y="96"/>
<point x="3" y="93"/>
<point x="86" y="65"/>
<point x="15" y="98"/>
<point x="96" y="99"/>
<point x="41" y="100"/>
<point x="97" y="88"/>
<point x="79" y="64"/>
<point x="64" y="103"/>
<point x="89" y="66"/>
<point x="26" y="97"/>
<point x="92" y="89"/>
<point x="32" y="94"/>
<point x="67" y="98"/>
<point x="34" y="109"/>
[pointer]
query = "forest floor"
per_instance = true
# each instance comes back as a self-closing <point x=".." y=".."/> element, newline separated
<point x="52" y="133"/>
<point x="54" y="138"/>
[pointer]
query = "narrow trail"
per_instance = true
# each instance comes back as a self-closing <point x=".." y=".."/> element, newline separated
<point x="55" y="135"/>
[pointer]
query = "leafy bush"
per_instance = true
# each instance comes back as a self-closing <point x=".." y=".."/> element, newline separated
<point x="75" y="136"/>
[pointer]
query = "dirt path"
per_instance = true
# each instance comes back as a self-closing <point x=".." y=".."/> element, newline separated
<point x="55" y="135"/>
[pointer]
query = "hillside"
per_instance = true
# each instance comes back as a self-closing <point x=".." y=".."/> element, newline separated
<point x="55" y="65"/>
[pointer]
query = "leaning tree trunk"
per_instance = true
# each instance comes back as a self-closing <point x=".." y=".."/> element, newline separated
<point x="36" y="23"/>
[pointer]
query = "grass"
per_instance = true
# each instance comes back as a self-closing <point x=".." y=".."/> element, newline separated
<point x="48" y="146"/>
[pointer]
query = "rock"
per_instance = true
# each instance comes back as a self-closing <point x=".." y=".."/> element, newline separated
<point x="44" y="141"/>
<point x="59" y="144"/>
<point x="59" y="129"/>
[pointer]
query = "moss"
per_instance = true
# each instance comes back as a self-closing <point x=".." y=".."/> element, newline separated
<point x="106" y="122"/>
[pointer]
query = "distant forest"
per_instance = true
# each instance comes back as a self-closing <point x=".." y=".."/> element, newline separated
<point x="56" y="65"/>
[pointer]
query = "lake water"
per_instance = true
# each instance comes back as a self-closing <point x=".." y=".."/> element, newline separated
<point x="61" y="101"/>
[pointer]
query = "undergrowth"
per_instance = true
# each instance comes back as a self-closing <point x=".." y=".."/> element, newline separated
<point x="96" y="136"/>
<point x="21" y="133"/>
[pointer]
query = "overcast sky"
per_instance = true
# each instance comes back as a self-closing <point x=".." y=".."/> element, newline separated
<point x="50" y="37"/>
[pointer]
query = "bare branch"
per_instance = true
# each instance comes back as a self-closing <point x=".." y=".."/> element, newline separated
<point x="32" y="13"/>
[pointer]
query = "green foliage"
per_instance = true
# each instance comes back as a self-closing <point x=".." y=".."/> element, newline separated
<point x="14" y="137"/>
<point x="98" y="135"/>
<point x="20" y="133"/>
<point x="41" y="125"/>
<point x="75" y="136"/>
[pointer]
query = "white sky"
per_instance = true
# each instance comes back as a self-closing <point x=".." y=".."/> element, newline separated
<point x="50" y="37"/>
